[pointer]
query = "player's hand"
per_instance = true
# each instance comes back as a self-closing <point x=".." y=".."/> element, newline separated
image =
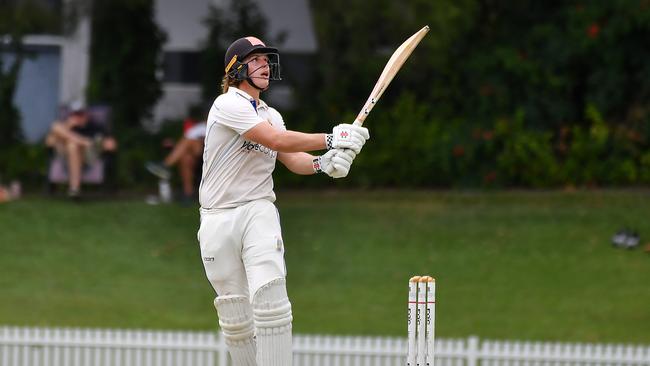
<point x="342" y="163"/>
<point x="336" y="163"/>
<point x="347" y="136"/>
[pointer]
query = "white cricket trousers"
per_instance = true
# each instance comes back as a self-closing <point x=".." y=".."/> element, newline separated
<point x="242" y="248"/>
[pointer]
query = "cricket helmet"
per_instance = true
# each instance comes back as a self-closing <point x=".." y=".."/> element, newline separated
<point x="243" y="47"/>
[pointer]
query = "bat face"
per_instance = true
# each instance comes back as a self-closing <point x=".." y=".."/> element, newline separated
<point x="390" y="70"/>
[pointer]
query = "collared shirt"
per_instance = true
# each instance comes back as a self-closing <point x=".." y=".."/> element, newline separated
<point x="236" y="170"/>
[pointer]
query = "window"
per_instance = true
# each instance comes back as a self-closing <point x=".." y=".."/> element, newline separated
<point x="181" y="67"/>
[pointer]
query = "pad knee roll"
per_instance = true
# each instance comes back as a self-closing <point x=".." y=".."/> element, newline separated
<point x="271" y="306"/>
<point x="235" y="318"/>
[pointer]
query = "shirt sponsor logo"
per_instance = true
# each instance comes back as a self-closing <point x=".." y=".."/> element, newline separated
<point x="250" y="146"/>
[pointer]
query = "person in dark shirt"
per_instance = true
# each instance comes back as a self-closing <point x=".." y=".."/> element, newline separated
<point x="80" y="141"/>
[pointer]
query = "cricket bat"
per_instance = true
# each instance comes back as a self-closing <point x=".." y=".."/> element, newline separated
<point x="390" y="70"/>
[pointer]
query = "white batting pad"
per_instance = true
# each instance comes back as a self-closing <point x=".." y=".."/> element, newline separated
<point x="236" y="322"/>
<point x="272" y="314"/>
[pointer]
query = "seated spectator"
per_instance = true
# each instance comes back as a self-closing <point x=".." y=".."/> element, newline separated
<point x="81" y="141"/>
<point x="4" y="194"/>
<point x="187" y="153"/>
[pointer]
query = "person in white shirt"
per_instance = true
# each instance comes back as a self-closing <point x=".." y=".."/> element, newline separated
<point x="239" y="235"/>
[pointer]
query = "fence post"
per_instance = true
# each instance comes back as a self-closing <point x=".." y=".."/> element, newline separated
<point x="472" y="351"/>
<point x="222" y="353"/>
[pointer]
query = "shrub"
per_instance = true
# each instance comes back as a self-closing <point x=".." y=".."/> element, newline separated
<point x="525" y="157"/>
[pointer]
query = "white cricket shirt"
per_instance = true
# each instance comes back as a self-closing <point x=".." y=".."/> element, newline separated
<point x="236" y="170"/>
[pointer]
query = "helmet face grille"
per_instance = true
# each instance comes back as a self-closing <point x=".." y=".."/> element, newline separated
<point x="239" y="71"/>
<point x="274" y="66"/>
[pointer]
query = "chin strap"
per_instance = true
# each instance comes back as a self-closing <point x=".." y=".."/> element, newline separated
<point x="251" y="83"/>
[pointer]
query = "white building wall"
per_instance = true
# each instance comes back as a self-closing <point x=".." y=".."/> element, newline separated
<point x="292" y="17"/>
<point x="183" y="23"/>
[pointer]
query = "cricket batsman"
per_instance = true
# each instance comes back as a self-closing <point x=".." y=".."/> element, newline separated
<point x="240" y="235"/>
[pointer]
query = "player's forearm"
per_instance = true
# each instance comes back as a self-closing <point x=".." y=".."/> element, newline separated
<point x="299" y="163"/>
<point x="284" y="140"/>
<point x="293" y="141"/>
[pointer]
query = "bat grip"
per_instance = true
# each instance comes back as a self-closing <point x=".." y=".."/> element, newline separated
<point x="357" y="122"/>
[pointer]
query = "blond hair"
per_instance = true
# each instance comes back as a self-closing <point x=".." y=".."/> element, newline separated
<point x="227" y="82"/>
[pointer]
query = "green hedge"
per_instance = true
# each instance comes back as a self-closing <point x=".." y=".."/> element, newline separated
<point x="411" y="147"/>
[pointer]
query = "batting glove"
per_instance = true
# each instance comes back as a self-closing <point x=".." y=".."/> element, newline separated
<point x="346" y="136"/>
<point x="336" y="163"/>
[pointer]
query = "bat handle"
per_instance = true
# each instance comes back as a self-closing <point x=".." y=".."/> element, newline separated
<point x="357" y="122"/>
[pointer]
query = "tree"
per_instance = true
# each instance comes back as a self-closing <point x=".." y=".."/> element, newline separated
<point x="126" y="47"/>
<point x="496" y="77"/>
<point x="10" y="130"/>
<point x="354" y="49"/>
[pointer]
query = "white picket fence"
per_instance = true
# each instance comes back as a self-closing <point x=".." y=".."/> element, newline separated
<point x="27" y="346"/>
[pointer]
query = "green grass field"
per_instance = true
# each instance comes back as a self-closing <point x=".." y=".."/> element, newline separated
<point x="509" y="265"/>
